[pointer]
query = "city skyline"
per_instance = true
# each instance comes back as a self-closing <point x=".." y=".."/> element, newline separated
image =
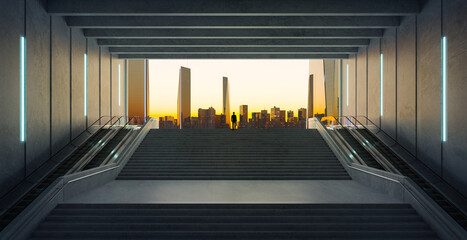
<point x="256" y="82"/>
<point x="208" y="118"/>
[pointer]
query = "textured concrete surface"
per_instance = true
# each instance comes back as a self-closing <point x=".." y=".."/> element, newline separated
<point x="362" y="82"/>
<point x="327" y="191"/>
<point x="78" y="48"/>
<point x="48" y="87"/>
<point x="11" y="150"/>
<point x="348" y="109"/>
<point x="429" y="85"/>
<point x="373" y="81"/>
<point x="406" y="81"/>
<point x="118" y="110"/>
<point x="93" y="81"/>
<point x="388" y="49"/>
<point x="60" y="84"/>
<point x="105" y="82"/>
<point x="38" y="85"/>
<point x="455" y="151"/>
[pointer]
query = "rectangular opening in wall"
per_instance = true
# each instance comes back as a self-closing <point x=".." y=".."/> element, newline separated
<point x="85" y="84"/>
<point x="444" y="87"/>
<point x="22" y="89"/>
<point x="381" y="83"/>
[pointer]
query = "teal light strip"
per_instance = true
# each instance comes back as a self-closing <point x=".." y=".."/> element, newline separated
<point x="85" y="84"/>
<point x="444" y="43"/>
<point x="22" y="135"/>
<point x="381" y="83"/>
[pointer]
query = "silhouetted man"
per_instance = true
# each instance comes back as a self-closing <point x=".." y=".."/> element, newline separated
<point x="234" y="121"/>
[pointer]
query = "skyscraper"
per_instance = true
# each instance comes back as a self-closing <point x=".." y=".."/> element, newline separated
<point x="206" y="118"/>
<point x="282" y="117"/>
<point x="226" y="99"/>
<point x="310" y="97"/>
<point x="301" y="114"/>
<point x="275" y="113"/>
<point x="243" y="115"/>
<point x="184" y="97"/>
<point x="289" y="115"/>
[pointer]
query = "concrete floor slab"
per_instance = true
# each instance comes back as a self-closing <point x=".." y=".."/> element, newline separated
<point x="224" y="191"/>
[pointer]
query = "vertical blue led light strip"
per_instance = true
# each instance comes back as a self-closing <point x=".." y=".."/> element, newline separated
<point x="444" y="49"/>
<point x="85" y="84"/>
<point x="119" y="83"/>
<point x="22" y="134"/>
<point x="347" y="88"/>
<point x="381" y="83"/>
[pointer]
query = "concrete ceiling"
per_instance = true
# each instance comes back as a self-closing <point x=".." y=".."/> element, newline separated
<point x="180" y="29"/>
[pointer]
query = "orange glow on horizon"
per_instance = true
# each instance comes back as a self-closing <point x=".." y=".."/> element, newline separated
<point x="260" y="84"/>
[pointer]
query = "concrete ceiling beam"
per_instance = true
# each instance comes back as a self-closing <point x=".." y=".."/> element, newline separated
<point x="233" y="42"/>
<point x="229" y="50"/>
<point x="233" y="33"/>
<point x="257" y="22"/>
<point x="234" y="8"/>
<point x="233" y="56"/>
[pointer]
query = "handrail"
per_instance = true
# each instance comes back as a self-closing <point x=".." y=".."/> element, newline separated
<point x="51" y="157"/>
<point x="95" y="150"/>
<point x="381" y="130"/>
<point x="119" y="145"/>
<point x="20" y="226"/>
<point x="347" y="145"/>
<point x="418" y="160"/>
<point x="383" y="161"/>
<point x="84" y="162"/>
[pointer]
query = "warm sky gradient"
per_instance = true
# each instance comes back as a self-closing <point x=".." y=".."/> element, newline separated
<point x="260" y="84"/>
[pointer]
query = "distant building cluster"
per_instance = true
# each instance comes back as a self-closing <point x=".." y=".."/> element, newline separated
<point x="207" y="118"/>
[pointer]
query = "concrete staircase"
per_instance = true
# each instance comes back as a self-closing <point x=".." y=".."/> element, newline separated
<point x="233" y="221"/>
<point x="246" y="154"/>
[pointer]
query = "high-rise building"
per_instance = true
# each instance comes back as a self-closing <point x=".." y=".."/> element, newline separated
<point x="243" y="119"/>
<point x="255" y="117"/>
<point x="282" y="117"/>
<point x="226" y="99"/>
<point x="206" y="118"/>
<point x="301" y="114"/>
<point x="264" y="120"/>
<point x="289" y="114"/>
<point x="275" y="113"/>
<point x="310" y="97"/>
<point x="184" y="98"/>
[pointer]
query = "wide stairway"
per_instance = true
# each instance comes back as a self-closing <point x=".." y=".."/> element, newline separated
<point x="234" y="221"/>
<point x="247" y="154"/>
<point x="250" y="184"/>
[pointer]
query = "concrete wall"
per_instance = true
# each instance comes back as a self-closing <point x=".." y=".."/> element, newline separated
<point x="54" y="87"/>
<point x="412" y="87"/>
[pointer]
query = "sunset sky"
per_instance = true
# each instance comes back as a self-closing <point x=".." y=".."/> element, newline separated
<point x="260" y="84"/>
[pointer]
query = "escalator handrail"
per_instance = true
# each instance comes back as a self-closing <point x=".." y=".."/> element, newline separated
<point x="87" y="162"/>
<point x="83" y="162"/>
<point x="115" y="150"/>
<point x="25" y="179"/>
<point x="359" y="159"/>
<point x="398" y="144"/>
<point x="386" y="134"/>
<point x="381" y="159"/>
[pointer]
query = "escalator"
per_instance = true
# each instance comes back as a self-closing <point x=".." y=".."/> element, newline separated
<point x="59" y="171"/>
<point x="406" y="170"/>
<point x="107" y="150"/>
<point x="362" y="153"/>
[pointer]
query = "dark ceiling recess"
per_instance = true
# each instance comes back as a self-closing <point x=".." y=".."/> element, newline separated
<point x="178" y="29"/>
